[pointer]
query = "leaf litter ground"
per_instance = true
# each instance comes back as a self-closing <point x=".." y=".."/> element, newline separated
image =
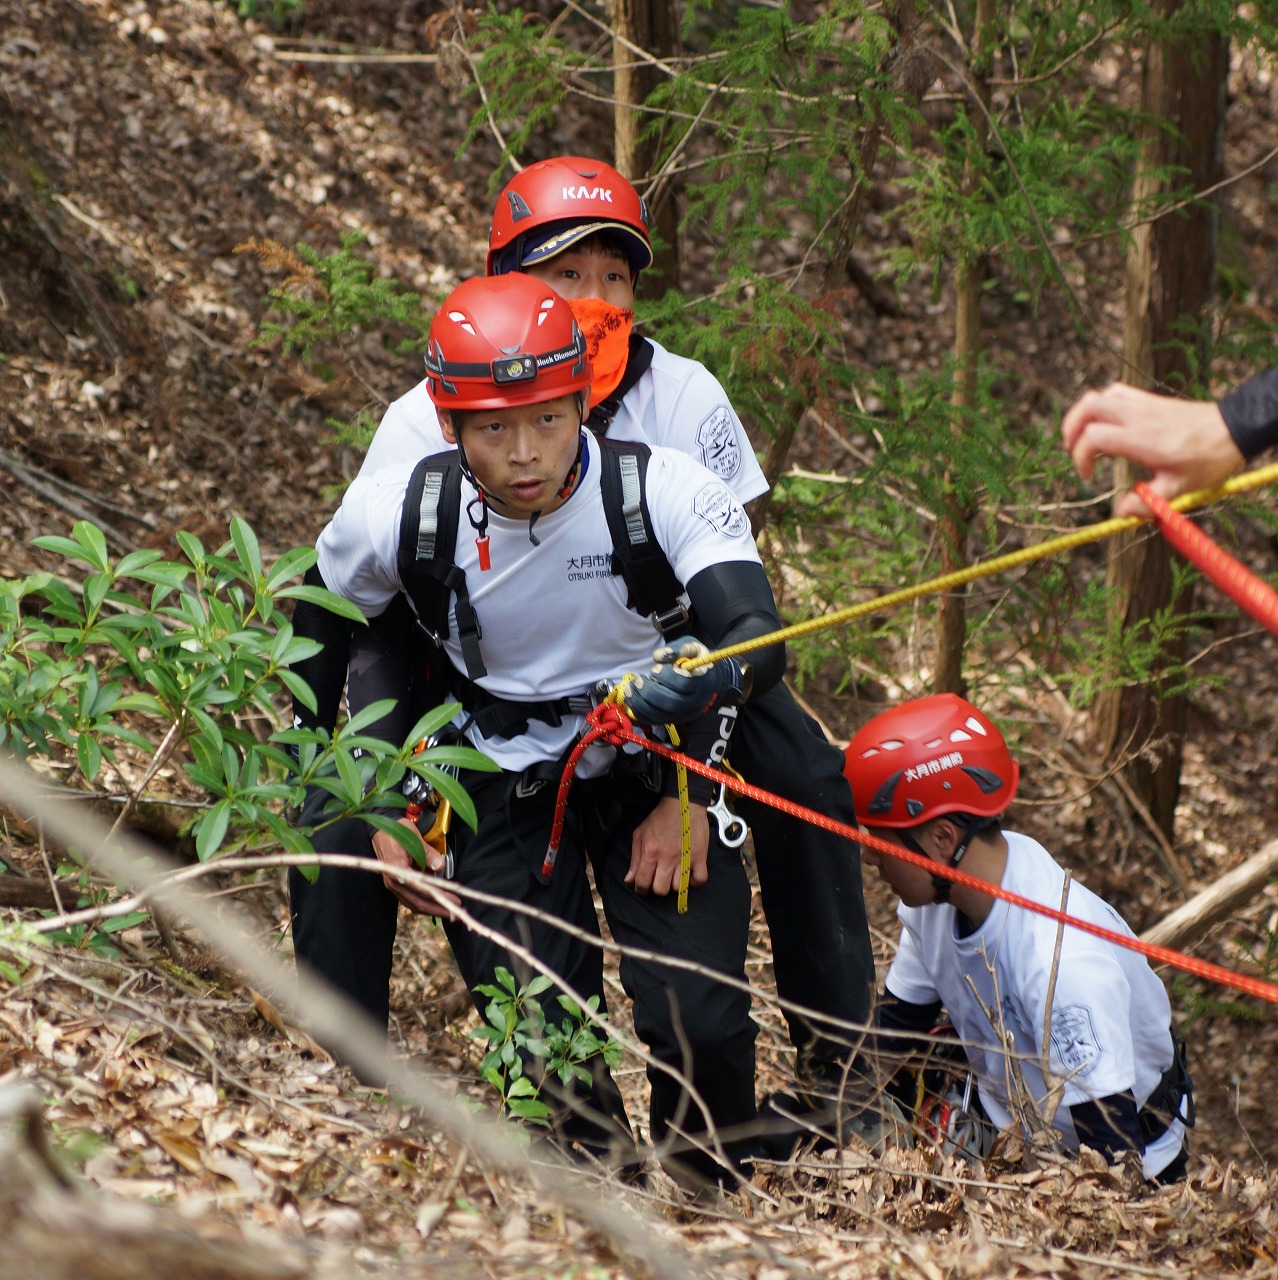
<point x="133" y="395"/>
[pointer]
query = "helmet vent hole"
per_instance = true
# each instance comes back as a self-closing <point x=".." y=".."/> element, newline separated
<point x="870" y="754"/>
<point x="988" y="782"/>
<point x="892" y="744"/>
<point x="933" y="744"/>
<point x="960" y="735"/>
<point x="976" y="726"/>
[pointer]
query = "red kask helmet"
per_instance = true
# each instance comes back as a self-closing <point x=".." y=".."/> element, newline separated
<point x="501" y="341"/>
<point x="554" y="204"/>
<point x="926" y="758"/>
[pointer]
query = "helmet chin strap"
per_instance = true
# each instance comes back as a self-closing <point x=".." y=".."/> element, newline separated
<point x="570" y="480"/>
<point x="477" y="522"/>
<point x="969" y="827"/>
<point x="480" y="523"/>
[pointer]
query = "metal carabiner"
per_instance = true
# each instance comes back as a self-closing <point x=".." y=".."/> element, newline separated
<point x="732" y="829"/>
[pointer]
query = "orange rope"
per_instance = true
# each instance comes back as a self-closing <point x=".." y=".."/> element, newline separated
<point x="608" y="723"/>
<point x="1243" y="587"/>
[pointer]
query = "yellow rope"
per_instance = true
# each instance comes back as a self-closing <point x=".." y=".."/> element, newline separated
<point x="685" y="827"/>
<point x="987" y="568"/>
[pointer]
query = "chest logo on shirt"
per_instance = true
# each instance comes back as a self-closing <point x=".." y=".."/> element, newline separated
<point x="594" y="564"/>
<point x="721" y="511"/>
<point x="1074" y="1041"/>
<point x="720" y="448"/>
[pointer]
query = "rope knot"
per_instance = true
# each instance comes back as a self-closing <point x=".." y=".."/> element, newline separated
<point x="608" y="722"/>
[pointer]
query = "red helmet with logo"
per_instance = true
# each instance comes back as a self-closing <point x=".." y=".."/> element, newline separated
<point x="554" y="204"/>
<point x="927" y="758"/>
<point x="501" y="341"/>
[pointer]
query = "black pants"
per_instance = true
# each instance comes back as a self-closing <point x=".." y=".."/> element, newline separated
<point x="344" y="922"/>
<point x="690" y="1021"/>
<point x="809" y="879"/>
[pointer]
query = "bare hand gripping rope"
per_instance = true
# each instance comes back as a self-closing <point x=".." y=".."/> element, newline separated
<point x="609" y="722"/>
<point x="1249" y="480"/>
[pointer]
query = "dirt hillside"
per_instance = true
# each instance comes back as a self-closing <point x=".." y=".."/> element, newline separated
<point x="141" y="142"/>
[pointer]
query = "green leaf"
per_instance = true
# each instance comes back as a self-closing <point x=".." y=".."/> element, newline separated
<point x="246" y="546"/>
<point x="88" y="754"/>
<point x="455" y="758"/>
<point x="191" y="546"/>
<point x="134" y="561"/>
<point x="527" y="1109"/>
<point x="402" y="836"/>
<point x="211" y="830"/>
<point x="370" y="715"/>
<point x="456" y="795"/>
<point x="92" y="543"/>
<point x="432" y="722"/>
<point x="126" y="921"/>
<point x="291" y="564"/>
<point x="329" y="600"/>
<point x="59" y="546"/>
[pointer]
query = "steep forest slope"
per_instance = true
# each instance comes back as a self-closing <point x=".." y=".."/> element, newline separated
<point x="141" y="142"/>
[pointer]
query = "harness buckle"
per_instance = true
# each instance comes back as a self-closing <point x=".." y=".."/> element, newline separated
<point x="674" y="621"/>
<point x="536" y="777"/>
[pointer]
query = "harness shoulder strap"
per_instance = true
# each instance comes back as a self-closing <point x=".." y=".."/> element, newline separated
<point x="638" y="361"/>
<point x="427" y="545"/>
<point x="636" y="554"/>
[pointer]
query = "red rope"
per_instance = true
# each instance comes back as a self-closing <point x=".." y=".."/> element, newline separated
<point x="1238" y="582"/>
<point x="618" y="729"/>
<point x="608" y="723"/>
<point x="604" y="723"/>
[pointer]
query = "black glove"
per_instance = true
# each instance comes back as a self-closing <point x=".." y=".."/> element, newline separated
<point x="670" y="694"/>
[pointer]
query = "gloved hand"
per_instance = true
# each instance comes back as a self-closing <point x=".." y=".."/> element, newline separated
<point x="670" y="694"/>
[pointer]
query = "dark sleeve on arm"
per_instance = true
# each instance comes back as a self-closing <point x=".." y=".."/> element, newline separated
<point x="895" y="1014"/>
<point x="733" y="602"/>
<point x="902" y="1030"/>
<point x="326" y="671"/>
<point x="1251" y="414"/>
<point x="1109" y="1125"/>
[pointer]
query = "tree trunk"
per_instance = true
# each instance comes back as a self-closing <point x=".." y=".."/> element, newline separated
<point x="1171" y="267"/>
<point x="644" y="25"/>
<point x="956" y="517"/>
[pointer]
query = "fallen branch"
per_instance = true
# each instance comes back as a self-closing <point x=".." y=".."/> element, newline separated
<point x="1192" y="919"/>
<point x="28" y="891"/>
<point x="356" y="1038"/>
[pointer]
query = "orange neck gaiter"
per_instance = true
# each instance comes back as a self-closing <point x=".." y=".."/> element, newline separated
<point x="607" y="332"/>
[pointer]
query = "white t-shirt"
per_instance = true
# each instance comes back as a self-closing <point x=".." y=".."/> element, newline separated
<point x="553" y="616"/>
<point x="676" y="404"/>
<point x="1111" y="1018"/>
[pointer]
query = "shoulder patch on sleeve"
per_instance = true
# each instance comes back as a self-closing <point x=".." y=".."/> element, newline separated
<point x="720" y="447"/>
<point x="1074" y="1039"/>
<point x="715" y="504"/>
